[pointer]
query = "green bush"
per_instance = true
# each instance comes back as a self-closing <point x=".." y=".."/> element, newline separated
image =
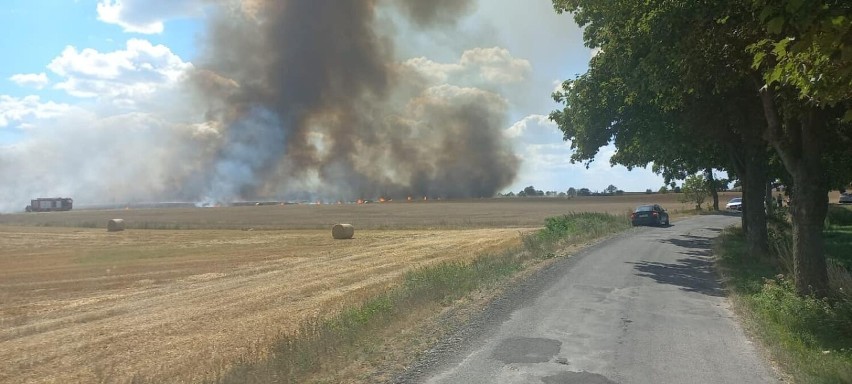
<point x="583" y="225"/>
<point x="818" y="323"/>
<point x="839" y="216"/>
<point x="810" y="338"/>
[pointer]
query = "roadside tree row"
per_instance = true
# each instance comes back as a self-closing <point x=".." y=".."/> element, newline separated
<point x="759" y="88"/>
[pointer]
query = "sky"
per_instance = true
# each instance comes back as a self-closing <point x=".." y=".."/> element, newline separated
<point x="94" y="93"/>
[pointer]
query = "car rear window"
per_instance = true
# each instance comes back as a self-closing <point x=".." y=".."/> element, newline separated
<point x="645" y="208"/>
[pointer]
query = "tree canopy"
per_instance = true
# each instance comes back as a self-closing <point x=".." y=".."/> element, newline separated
<point x="696" y="85"/>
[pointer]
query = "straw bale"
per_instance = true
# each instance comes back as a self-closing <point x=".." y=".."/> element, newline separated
<point x="343" y="231"/>
<point x="115" y="225"/>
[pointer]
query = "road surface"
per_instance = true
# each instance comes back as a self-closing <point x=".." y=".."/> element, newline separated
<point x="645" y="307"/>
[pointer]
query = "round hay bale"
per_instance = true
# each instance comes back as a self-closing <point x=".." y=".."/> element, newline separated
<point x="343" y="231"/>
<point x="115" y="225"/>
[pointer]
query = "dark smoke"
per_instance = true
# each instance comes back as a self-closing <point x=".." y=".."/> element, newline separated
<point x="308" y="98"/>
<point x="431" y="12"/>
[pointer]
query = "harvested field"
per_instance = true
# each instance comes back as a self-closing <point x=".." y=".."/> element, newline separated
<point x="477" y="213"/>
<point x="83" y="305"/>
<point x="79" y="304"/>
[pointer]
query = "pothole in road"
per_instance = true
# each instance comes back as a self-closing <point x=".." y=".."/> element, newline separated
<point x="577" y="378"/>
<point x="522" y="350"/>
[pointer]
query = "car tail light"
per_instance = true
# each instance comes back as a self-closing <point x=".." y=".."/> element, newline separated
<point x="632" y="216"/>
<point x="654" y="213"/>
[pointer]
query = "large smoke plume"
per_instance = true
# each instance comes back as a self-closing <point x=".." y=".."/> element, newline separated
<point x="308" y="98"/>
<point x="288" y="100"/>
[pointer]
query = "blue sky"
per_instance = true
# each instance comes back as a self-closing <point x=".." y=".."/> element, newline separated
<point x="88" y="68"/>
<point x="36" y="32"/>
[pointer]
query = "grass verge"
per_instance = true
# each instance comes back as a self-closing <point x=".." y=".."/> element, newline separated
<point x="809" y="338"/>
<point x="325" y="343"/>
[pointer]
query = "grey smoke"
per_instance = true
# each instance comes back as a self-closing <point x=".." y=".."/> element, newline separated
<point x="432" y="12"/>
<point x="309" y="97"/>
<point x="296" y="99"/>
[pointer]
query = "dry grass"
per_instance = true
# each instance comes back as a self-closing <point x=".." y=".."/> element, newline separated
<point x="83" y="305"/>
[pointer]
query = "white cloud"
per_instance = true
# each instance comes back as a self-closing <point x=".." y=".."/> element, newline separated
<point x="491" y="66"/>
<point x="547" y="161"/>
<point x="34" y="80"/>
<point x="125" y="76"/>
<point x="557" y="86"/>
<point x="596" y="51"/>
<point x="534" y="129"/>
<point x="146" y="16"/>
<point x="21" y="111"/>
<point x="497" y="65"/>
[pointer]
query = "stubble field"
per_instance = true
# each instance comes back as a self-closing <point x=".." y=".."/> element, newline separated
<point x="202" y="287"/>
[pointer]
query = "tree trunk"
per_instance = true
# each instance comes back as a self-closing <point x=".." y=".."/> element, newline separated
<point x="809" y="208"/>
<point x="714" y="188"/>
<point x="799" y="143"/>
<point x="738" y="160"/>
<point x="768" y="201"/>
<point x="753" y="196"/>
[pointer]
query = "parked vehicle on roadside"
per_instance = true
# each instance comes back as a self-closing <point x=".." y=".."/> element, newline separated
<point x="650" y="214"/>
<point x="736" y="204"/>
<point x="845" y="198"/>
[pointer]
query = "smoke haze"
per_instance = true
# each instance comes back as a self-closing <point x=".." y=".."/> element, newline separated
<point x="288" y="100"/>
<point x="307" y="92"/>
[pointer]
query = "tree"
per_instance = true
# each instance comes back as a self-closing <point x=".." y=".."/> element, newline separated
<point x="584" y="192"/>
<point x="611" y="189"/>
<point x="572" y="192"/>
<point x="667" y="89"/>
<point x="695" y="190"/>
<point x="530" y="191"/>
<point x="805" y="62"/>
<point x="664" y="190"/>
<point x="806" y="48"/>
<point x="789" y="56"/>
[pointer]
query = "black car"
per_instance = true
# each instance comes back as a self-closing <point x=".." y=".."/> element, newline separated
<point x="651" y="214"/>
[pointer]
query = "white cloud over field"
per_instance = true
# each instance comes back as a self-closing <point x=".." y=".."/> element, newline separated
<point x="129" y="75"/>
<point x="24" y="111"/>
<point x="31" y="80"/>
<point x="146" y="16"/>
<point x="547" y="162"/>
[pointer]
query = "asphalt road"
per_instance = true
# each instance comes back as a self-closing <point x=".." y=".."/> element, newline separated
<point x="645" y="307"/>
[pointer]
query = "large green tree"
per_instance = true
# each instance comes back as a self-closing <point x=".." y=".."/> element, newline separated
<point x="736" y="63"/>
<point x="804" y="60"/>
<point x="667" y="91"/>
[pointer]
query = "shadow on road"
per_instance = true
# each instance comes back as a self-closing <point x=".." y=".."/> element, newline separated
<point x="693" y="273"/>
<point x="692" y="245"/>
